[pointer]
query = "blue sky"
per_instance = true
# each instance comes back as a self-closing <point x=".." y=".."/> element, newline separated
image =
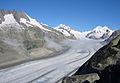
<point x="79" y="14"/>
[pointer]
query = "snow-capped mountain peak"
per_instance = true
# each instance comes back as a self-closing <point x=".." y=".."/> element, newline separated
<point x="101" y="29"/>
<point x="69" y="32"/>
<point x="17" y="18"/>
<point x="99" y="33"/>
<point x="64" y="29"/>
<point x="63" y="26"/>
<point x="33" y="22"/>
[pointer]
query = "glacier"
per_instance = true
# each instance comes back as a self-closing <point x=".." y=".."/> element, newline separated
<point x="53" y="69"/>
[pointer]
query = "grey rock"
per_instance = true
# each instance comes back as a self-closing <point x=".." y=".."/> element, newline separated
<point x="81" y="78"/>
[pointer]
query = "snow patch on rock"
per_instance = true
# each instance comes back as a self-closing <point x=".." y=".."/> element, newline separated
<point x="10" y="21"/>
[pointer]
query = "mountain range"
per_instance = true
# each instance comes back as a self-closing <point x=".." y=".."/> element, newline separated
<point x="100" y="32"/>
<point x="21" y="18"/>
<point x="23" y="38"/>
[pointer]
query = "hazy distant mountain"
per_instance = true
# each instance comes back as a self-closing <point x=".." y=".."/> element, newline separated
<point x="69" y="32"/>
<point x="97" y="33"/>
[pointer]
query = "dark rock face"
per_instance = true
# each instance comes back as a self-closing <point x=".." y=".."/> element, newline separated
<point x="110" y="74"/>
<point x="105" y="62"/>
<point x="87" y="78"/>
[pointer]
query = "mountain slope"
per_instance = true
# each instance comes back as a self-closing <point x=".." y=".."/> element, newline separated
<point x="23" y="38"/>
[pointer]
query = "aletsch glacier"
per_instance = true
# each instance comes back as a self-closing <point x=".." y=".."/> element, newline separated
<point x="61" y="50"/>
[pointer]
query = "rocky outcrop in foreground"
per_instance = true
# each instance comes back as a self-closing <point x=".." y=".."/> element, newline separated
<point x="105" y="62"/>
<point x="81" y="78"/>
